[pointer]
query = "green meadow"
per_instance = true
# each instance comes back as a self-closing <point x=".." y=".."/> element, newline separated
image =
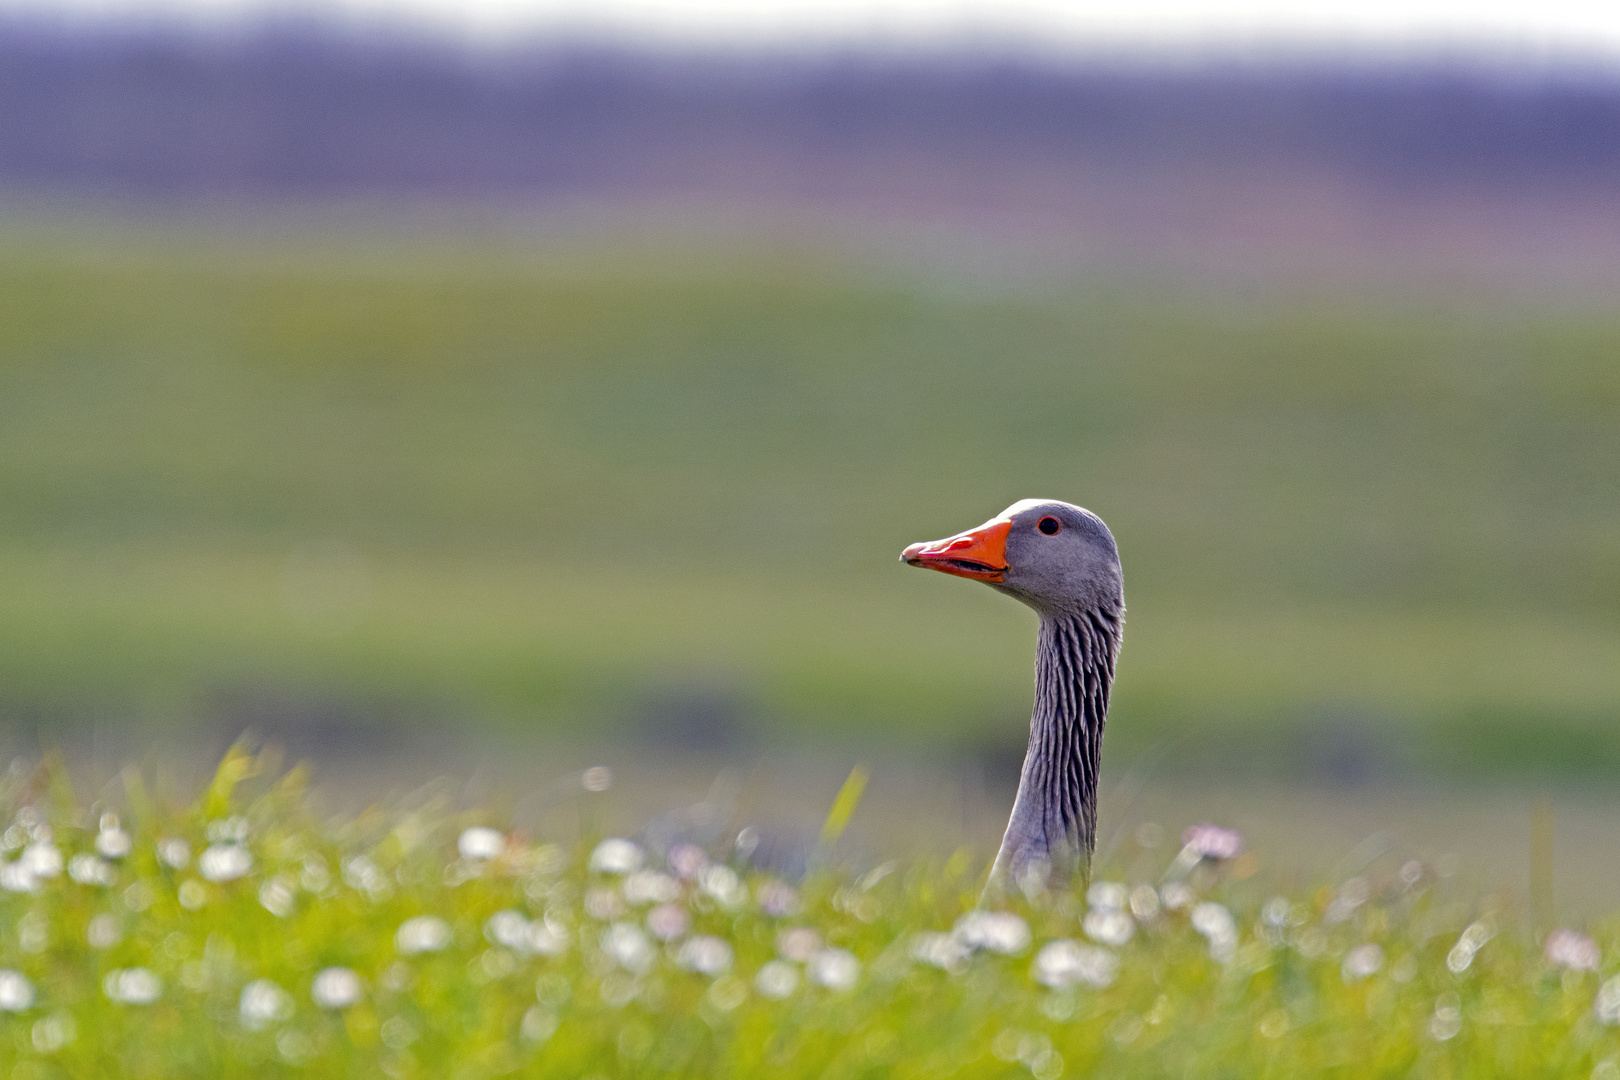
<point x="244" y="936"/>
<point x="541" y="480"/>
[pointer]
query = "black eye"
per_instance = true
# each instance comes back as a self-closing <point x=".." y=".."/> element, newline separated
<point x="1050" y="526"/>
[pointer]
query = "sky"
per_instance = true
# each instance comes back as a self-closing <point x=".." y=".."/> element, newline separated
<point x="1524" y="26"/>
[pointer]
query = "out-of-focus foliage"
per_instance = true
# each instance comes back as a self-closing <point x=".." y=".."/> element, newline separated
<point x="242" y="937"/>
<point x="549" y="478"/>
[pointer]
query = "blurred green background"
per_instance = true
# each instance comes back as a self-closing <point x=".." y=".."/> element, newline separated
<point x="654" y="484"/>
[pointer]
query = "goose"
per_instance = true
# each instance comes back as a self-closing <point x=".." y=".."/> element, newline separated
<point x="1061" y="560"/>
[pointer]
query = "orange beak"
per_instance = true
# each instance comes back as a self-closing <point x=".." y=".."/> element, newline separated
<point x="980" y="554"/>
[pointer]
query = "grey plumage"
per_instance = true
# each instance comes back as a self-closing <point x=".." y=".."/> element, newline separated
<point x="1071" y="577"/>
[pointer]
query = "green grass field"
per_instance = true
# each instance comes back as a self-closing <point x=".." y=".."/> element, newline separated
<point x="545" y="480"/>
<point x="242" y="936"/>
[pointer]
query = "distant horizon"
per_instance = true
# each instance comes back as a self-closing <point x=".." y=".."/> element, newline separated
<point x="1545" y="34"/>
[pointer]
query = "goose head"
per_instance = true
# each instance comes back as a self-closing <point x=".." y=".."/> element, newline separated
<point x="1058" y="558"/>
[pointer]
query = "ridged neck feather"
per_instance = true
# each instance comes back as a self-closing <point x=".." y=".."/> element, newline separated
<point x="1054" y="819"/>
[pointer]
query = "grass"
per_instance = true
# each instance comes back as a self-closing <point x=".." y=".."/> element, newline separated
<point x="544" y="480"/>
<point x="245" y="936"/>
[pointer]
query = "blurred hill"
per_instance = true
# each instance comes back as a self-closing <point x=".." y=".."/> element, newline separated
<point x="351" y="383"/>
<point x="579" y="484"/>
<point x="1431" y="162"/>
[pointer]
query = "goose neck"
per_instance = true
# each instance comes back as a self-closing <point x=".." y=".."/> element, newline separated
<point x="1055" y="815"/>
